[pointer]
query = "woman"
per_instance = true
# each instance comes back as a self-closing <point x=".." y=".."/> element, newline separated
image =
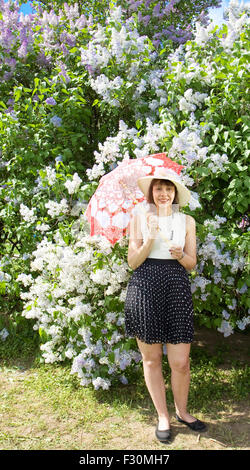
<point x="158" y="307"/>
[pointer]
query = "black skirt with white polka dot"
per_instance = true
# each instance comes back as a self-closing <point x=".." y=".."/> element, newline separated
<point x="158" y="305"/>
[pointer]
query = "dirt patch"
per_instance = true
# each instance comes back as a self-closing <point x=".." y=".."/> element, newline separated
<point x="235" y="347"/>
<point x="229" y="431"/>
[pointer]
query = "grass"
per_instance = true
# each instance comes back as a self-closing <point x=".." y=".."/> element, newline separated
<point x="44" y="407"/>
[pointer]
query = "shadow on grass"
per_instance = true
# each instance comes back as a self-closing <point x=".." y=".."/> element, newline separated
<point x="20" y="348"/>
<point x="219" y="389"/>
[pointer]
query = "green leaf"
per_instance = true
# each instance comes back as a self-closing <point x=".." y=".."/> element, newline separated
<point x="2" y="287"/>
<point x="17" y="93"/>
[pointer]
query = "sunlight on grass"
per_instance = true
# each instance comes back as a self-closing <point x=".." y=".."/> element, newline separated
<point x="42" y="406"/>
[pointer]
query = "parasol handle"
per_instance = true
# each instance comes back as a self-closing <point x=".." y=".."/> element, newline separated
<point x="160" y="232"/>
<point x="145" y="212"/>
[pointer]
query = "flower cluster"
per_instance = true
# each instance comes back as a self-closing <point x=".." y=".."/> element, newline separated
<point x="165" y="21"/>
<point x="56" y="208"/>
<point x="116" y="148"/>
<point x="95" y="335"/>
<point x="4" y="334"/>
<point x="136" y="70"/>
<point x="72" y="186"/>
<point x="27" y="214"/>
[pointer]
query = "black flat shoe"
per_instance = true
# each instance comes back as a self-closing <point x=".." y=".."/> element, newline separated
<point x="163" y="436"/>
<point x="196" y="425"/>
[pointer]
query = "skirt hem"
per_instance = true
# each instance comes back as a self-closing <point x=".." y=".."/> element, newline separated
<point x="178" y="341"/>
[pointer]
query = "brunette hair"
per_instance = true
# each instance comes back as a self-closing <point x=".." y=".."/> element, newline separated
<point x="154" y="181"/>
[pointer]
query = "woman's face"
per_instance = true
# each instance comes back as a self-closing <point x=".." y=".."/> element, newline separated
<point x="163" y="194"/>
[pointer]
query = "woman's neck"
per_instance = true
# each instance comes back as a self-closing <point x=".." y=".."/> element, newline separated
<point x="164" y="211"/>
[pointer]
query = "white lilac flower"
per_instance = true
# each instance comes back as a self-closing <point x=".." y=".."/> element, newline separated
<point x="243" y="289"/>
<point x="123" y="380"/>
<point x="204" y="297"/>
<point x="225" y="328"/>
<point x="5" y="277"/>
<point x="77" y="208"/>
<point x="184" y="105"/>
<point x="218" y="162"/>
<point x="217" y="276"/>
<point x="95" y="172"/>
<point x="216" y="222"/>
<point x="115" y="338"/>
<point x="233" y="305"/>
<point x="51" y="175"/>
<point x="27" y="214"/>
<point x="26" y="279"/>
<point x="112" y="289"/>
<point x="191" y="100"/>
<point x="124" y="360"/>
<point x="85" y="381"/>
<point x="238" y="263"/>
<point x="225" y="314"/>
<point x="199" y="282"/>
<point x="201" y="34"/>
<point x="104" y="360"/>
<point x="42" y="227"/>
<point x="101" y="276"/>
<point x="112" y="369"/>
<point x="187" y="143"/>
<point x="99" y="382"/>
<point x="141" y="87"/>
<point x="242" y="324"/>
<point x="111" y="317"/>
<point x="73" y="186"/>
<point x="69" y="353"/>
<point x="55" y="208"/>
<point x="4" y="334"/>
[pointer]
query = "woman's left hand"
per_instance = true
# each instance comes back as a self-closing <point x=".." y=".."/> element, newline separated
<point x="176" y="251"/>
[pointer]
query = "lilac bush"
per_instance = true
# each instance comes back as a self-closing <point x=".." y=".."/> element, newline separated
<point x="77" y="97"/>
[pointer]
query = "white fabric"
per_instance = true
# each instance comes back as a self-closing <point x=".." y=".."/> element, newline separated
<point x="175" y="224"/>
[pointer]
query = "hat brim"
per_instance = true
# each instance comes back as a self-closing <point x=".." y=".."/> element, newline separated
<point x="184" y="194"/>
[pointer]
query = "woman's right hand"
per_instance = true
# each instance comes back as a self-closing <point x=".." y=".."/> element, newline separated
<point x="152" y="224"/>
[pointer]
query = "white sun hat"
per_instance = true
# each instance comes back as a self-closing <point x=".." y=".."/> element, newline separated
<point x="184" y="194"/>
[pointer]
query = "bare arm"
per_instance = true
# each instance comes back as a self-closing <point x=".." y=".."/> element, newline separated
<point x="137" y="250"/>
<point x="189" y="260"/>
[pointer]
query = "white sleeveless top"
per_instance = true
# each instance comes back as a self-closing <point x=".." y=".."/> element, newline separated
<point x="173" y="227"/>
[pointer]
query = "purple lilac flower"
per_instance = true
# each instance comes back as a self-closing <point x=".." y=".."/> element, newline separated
<point x="64" y="50"/>
<point x="123" y="380"/>
<point x="146" y="20"/>
<point x="22" y="51"/>
<point x="11" y="63"/>
<point x="56" y="121"/>
<point x="50" y="101"/>
<point x="156" y="9"/>
<point x="8" y="39"/>
<point x="44" y="60"/>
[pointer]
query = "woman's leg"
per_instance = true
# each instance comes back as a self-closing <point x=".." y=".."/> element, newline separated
<point x="178" y="358"/>
<point x="152" y="366"/>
